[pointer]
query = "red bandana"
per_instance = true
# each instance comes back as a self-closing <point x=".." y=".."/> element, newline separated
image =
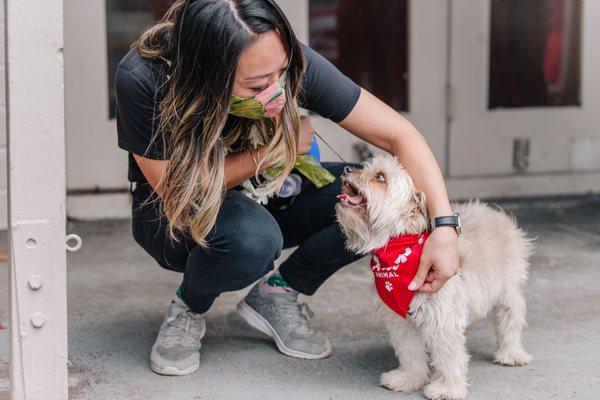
<point x="394" y="266"/>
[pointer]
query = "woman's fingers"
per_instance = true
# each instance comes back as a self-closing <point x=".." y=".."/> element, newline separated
<point x="422" y="273"/>
<point x="306" y="134"/>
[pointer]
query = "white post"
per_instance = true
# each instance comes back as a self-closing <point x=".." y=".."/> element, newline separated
<point x="36" y="199"/>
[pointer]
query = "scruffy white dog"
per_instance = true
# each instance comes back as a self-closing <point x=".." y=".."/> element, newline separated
<point x="381" y="202"/>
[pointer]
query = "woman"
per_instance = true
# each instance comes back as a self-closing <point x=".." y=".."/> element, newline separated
<point x="188" y="154"/>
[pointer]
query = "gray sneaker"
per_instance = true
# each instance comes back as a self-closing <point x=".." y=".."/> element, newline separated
<point x="285" y="320"/>
<point x="176" y="350"/>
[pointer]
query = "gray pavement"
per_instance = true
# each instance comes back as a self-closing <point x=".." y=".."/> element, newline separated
<point x="118" y="295"/>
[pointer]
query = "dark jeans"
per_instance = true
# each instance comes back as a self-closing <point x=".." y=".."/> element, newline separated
<point x="246" y="240"/>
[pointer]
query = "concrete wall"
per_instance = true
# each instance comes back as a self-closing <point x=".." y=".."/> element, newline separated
<point x="94" y="161"/>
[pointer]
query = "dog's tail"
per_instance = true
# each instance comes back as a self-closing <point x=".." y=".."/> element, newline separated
<point x="528" y="241"/>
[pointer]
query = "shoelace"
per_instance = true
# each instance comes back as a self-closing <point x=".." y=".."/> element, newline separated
<point x="178" y="333"/>
<point x="298" y="313"/>
<point x="306" y="311"/>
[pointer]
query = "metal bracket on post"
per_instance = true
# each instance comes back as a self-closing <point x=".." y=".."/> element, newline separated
<point x="35" y="320"/>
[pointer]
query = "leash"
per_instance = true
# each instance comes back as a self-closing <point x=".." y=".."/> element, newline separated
<point x="324" y="141"/>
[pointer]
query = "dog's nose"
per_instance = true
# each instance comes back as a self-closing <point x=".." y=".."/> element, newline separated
<point x="348" y="169"/>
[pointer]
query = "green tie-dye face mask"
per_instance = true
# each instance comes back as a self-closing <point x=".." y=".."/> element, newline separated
<point x="266" y="104"/>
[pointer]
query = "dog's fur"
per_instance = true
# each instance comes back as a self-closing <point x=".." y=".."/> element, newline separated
<point x="493" y="257"/>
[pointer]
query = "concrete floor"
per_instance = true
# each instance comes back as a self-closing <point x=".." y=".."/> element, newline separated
<point x="118" y="295"/>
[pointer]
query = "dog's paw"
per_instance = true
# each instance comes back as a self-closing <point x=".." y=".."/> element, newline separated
<point x="515" y="358"/>
<point x="402" y="381"/>
<point x="439" y="390"/>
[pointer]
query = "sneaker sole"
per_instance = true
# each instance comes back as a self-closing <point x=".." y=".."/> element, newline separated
<point x="173" y="370"/>
<point x="258" y="322"/>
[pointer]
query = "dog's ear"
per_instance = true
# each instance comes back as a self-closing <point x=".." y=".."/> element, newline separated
<point x="419" y="201"/>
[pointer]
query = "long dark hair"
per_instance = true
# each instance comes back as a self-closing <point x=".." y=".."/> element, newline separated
<point x="204" y="39"/>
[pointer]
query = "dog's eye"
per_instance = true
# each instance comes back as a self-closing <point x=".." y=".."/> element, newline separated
<point x="380" y="177"/>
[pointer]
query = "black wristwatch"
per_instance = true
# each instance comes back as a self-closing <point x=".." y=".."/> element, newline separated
<point x="446" y="220"/>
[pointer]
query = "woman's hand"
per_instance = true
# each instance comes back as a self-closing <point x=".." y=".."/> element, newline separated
<point x="304" y="137"/>
<point x="439" y="260"/>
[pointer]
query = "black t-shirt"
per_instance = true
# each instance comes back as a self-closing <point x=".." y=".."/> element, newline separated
<point x="140" y="88"/>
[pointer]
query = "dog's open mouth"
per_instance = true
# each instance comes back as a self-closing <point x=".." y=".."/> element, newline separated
<point x="351" y="195"/>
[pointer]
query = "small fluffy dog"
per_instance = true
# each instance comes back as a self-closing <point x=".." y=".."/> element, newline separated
<point x="380" y="201"/>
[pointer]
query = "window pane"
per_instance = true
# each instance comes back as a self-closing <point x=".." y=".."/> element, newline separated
<point x="367" y="41"/>
<point x="535" y="53"/>
<point x="125" y="20"/>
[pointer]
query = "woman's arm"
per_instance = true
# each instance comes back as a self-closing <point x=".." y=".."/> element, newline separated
<point x="238" y="167"/>
<point x="153" y="170"/>
<point x="380" y="125"/>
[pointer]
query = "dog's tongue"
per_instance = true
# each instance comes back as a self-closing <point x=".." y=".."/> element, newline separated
<point x="355" y="200"/>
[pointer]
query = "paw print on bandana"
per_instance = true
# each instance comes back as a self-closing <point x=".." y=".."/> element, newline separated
<point x="421" y="240"/>
<point x="388" y="286"/>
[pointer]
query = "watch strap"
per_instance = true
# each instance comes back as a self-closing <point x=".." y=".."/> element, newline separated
<point x="446" y="220"/>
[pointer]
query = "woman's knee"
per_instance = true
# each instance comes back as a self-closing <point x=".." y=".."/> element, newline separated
<point x="240" y="258"/>
<point x="247" y="239"/>
<point x="257" y="242"/>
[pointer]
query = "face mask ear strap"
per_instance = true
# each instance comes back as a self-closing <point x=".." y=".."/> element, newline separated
<point x="283" y="77"/>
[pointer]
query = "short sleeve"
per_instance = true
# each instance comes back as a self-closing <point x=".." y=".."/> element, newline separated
<point x="135" y="115"/>
<point x="325" y="89"/>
